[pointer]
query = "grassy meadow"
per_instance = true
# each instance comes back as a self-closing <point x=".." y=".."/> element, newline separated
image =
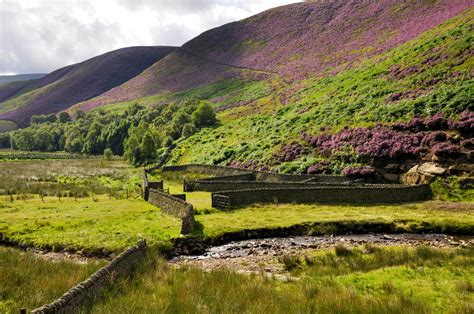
<point x="89" y="226"/>
<point x="364" y="280"/>
<point x="104" y="219"/>
<point x="68" y="177"/>
<point x="29" y="281"/>
<point x="434" y="215"/>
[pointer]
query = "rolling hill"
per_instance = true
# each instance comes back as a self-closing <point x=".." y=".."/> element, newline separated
<point x="306" y="68"/>
<point x="75" y="83"/>
<point x="282" y="45"/>
<point x="20" y="77"/>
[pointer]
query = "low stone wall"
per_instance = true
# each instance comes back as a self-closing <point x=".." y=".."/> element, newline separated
<point x="278" y="177"/>
<point x="259" y="175"/>
<point x="237" y="177"/>
<point x="147" y="185"/>
<point x="207" y="169"/>
<point x="84" y="293"/>
<point x="174" y="206"/>
<point x="366" y="194"/>
<point x="214" y="186"/>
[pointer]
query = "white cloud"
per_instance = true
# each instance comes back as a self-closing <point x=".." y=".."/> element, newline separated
<point x="43" y="35"/>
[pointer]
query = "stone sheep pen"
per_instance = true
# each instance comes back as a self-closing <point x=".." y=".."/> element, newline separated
<point x="233" y="187"/>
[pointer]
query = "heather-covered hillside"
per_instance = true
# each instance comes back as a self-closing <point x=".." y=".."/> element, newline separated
<point x="354" y="116"/>
<point x="67" y="86"/>
<point x="286" y="44"/>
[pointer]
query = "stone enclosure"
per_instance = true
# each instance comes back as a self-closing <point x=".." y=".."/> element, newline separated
<point x="234" y="187"/>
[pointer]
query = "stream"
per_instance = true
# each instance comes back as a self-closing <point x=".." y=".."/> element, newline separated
<point x="259" y="255"/>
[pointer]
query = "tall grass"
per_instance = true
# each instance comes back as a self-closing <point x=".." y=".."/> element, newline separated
<point x="159" y="288"/>
<point x="68" y="178"/>
<point x="29" y="281"/>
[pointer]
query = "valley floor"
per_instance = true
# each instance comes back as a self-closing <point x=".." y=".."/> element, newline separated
<point x="357" y="277"/>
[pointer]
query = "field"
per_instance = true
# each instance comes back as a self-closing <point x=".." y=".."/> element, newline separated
<point x="434" y="215"/>
<point x="99" y="226"/>
<point x="29" y="281"/>
<point x="67" y="177"/>
<point x="109" y="222"/>
<point x="11" y="154"/>
<point x="365" y="280"/>
<point x="108" y="217"/>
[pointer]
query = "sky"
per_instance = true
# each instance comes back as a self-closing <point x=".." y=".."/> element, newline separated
<point x="39" y="36"/>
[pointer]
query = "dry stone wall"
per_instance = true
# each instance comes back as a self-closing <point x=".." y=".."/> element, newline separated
<point x="214" y="186"/>
<point x="84" y="293"/>
<point x="366" y="194"/>
<point x="259" y="175"/>
<point x="147" y="185"/>
<point x="174" y="206"/>
<point x="207" y="169"/>
<point x="237" y="177"/>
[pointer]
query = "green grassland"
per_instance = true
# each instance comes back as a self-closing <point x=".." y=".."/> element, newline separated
<point x="103" y="223"/>
<point x="29" y="281"/>
<point x="365" y="280"/>
<point x="431" y="215"/>
<point x="95" y="226"/>
<point x="437" y="78"/>
<point x="409" y="217"/>
<point x="13" y="155"/>
<point x="67" y="177"/>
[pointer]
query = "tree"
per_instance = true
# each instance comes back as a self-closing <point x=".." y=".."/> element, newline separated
<point x="80" y="114"/>
<point x="108" y="154"/>
<point x="204" y="115"/>
<point x="4" y="140"/>
<point x="43" y="118"/>
<point x="148" y="148"/>
<point x="188" y="130"/>
<point x="91" y="143"/>
<point x="64" y="117"/>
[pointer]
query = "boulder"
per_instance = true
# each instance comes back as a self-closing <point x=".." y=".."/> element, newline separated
<point x="431" y="168"/>
<point x="422" y="174"/>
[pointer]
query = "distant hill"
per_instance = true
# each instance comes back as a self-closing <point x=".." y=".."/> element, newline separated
<point x="75" y="83"/>
<point x="284" y="45"/>
<point x="20" y="77"/>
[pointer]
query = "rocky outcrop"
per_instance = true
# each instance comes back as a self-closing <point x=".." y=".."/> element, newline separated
<point x="423" y="174"/>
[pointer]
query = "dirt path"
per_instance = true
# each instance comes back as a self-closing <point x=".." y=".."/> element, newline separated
<point x="261" y="255"/>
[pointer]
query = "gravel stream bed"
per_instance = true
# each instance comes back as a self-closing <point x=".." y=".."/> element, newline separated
<point x="261" y="255"/>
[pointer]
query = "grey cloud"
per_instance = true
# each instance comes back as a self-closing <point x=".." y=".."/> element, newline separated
<point x="45" y="35"/>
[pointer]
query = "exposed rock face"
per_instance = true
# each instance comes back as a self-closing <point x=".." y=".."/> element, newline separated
<point x="432" y="169"/>
<point x="424" y="173"/>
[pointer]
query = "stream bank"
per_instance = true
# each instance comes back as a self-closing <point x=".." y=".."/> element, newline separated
<point x="262" y="255"/>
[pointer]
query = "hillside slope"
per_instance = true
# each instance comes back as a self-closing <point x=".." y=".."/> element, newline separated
<point x="20" y="77"/>
<point x="430" y="74"/>
<point x="75" y="83"/>
<point x="285" y="44"/>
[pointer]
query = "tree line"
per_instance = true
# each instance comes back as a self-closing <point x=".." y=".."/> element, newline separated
<point x="138" y="133"/>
